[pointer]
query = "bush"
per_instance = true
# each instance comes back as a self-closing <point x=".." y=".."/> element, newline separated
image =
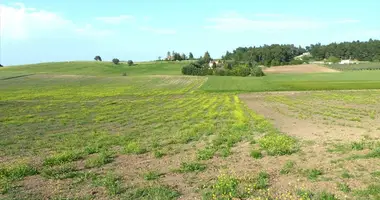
<point x="130" y="62"/>
<point x="195" y="70"/>
<point x="257" y="71"/>
<point x="124" y="74"/>
<point x="241" y="71"/>
<point x="221" y="72"/>
<point x="333" y="59"/>
<point x="115" y="61"/>
<point x="296" y="62"/>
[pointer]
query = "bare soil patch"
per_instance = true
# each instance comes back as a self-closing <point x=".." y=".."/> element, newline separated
<point x="307" y="68"/>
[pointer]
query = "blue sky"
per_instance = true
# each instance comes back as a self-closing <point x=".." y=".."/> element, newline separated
<point x="43" y="31"/>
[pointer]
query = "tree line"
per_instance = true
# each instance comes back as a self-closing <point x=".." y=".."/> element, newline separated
<point x="276" y="54"/>
<point x="363" y="51"/>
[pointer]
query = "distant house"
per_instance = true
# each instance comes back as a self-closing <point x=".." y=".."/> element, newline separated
<point x="348" y="62"/>
<point x="211" y="63"/>
<point x="300" y="57"/>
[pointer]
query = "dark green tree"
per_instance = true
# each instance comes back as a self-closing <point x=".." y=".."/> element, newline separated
<point x="130" y="62"/>
<point x="206" y="57"/>
<point x="98" y="58"/>
<point x="115" y="61"/>
<point x="191" y="57"/>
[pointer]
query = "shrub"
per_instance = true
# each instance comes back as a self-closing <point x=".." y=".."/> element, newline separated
<point x="195" y="70"/>
<point x="130" y="62"/>
<point x="115" y="61"/>
<point x="241" y="71"/>
<point x="221" y="72"/>
<point x="257" y="71"/>
<point x="124" y="74"/>
<point x="333" y="59"/>
<point x="296" y="62"/>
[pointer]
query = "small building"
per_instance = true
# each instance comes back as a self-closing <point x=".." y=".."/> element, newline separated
<point x="211" y="63"/>
<point x="346" y="62"/>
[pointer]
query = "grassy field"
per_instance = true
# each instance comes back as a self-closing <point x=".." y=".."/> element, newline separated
<point x="355" y="67"/>
<point x="295" y="82"/>
<point x="76" y="133"/>
<point x="98" y="68"/>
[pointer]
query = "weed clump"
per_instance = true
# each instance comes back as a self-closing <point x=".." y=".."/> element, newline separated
<point x="278" y="144"/>
<point x="256" y="154"/>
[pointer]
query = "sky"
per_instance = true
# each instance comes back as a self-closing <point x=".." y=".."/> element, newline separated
<point x="33" y="31"/>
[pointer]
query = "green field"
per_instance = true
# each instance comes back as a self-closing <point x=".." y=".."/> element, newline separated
<point x="295" y="82"/>
<point x="356" y="67"/>
<point x="83" y="131"/>
<point x="99" y="68"/>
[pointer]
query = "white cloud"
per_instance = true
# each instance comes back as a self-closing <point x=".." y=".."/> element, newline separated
<point x="116" y="19"/>
<point x="19" y="23"/>
<point x="161" y="31"/>
<point x="235" y="22"/>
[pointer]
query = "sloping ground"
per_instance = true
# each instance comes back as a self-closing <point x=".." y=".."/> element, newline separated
<point x="340" y="132"/>
<point x="309" y="68"/>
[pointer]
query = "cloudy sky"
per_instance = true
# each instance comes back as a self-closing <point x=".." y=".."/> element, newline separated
<point x="42" y="31"/>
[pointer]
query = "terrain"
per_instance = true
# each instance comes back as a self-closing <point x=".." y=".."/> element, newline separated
<point x="81" y="130"/>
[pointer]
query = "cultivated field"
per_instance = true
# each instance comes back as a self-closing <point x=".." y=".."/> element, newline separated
<point x="355" y="67"/>
<point x="73" y="133"/>
<point x="307" y="68"/>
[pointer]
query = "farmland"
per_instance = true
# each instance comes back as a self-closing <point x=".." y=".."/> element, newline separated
<point x="355" y="67"/>
<point x="83" y="131"/>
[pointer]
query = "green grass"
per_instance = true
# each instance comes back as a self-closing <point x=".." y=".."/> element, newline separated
<point x="17" y="171"/>
<point x="354" y="67"/>
<point x="372" y="191"/>
<point x="62" y="158"/>
<point x="278" y="144"/>
<point x="99" y="160"/>
<point x="288" y="167"/>
<point x="295" y="82"/>
<point x="97" y="68"/>
<point x="313" y="174"/>
<point x="344" y="187"/>
<point x="152" y="175"/>
<point x="256" y="154"/>
<point x="59" y="172"/>
<point x="192" y="167"/>
<point x="154" y="192"/>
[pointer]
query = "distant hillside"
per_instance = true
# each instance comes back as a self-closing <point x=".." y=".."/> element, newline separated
<point x="97" y="68"/>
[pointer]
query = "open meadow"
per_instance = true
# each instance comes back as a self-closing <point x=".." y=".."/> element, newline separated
<point x="81" y="130"/>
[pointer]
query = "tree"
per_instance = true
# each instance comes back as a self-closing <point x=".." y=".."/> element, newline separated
<point x="183" y="56"/>
<point x="333" y="59"/>
<point x="115" y="61"/>
<point x="207" y="57"/>
<point x="1" y="65"/>
<point x="168" y="56"/>
<point x="159" y="57"/>
<point x="98" y="58"/>
<point x="130" y="62"/>
<point x="191" y="57"/>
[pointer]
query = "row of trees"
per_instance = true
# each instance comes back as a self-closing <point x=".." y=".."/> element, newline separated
<point x="115" y="61"/>
<point x="268" y="55"/>
<point x="363" y="51"/>
<point x="202" y="68"/>
<point x="272" y="55"/>
<point x="175" y="56"/>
